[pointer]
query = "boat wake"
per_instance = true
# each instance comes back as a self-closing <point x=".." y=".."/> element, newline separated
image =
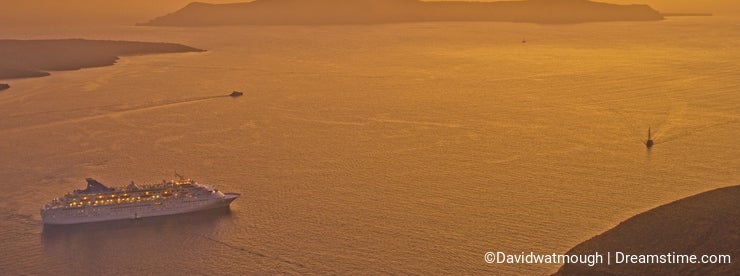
<point x="114" y="112"/>
<point x="22" y="218"/>
<point x="662" y="139"/>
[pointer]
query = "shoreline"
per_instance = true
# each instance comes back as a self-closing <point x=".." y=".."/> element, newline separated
<point x="35" y="58"/>
<point x="699" y="225"/>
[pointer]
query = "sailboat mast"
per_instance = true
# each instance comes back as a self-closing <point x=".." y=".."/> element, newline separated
<point x="649" y="143"/>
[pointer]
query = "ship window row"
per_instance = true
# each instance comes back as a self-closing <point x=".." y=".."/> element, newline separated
<point x="130" y="200"/>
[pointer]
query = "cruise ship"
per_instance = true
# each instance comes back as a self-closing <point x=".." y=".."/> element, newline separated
<point x="100" y="203"/>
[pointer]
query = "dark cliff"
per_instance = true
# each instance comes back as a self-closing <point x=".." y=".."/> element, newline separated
<point x="704" y="224"/>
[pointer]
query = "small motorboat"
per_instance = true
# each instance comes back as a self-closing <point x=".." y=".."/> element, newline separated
<point x="236" y="94"/>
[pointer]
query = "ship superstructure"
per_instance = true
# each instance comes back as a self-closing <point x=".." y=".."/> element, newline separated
<point x="100" y="203"/>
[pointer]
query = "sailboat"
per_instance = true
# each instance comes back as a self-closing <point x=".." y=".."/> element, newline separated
<point x="649" y="143"/>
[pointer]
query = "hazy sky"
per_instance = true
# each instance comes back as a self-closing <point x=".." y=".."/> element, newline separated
<point x="134" y="11"/>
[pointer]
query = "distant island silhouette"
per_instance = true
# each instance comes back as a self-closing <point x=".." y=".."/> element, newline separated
<point x="32" y="58"/>
<point x="668" y="14"/>
<point x="319" y="12"/>
<point x="702" y="224"/>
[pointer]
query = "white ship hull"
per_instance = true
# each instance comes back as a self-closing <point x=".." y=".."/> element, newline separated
<point x="135" y="211"/>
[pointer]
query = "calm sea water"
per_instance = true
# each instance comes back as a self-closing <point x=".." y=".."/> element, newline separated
<point x="408" y="148"/>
